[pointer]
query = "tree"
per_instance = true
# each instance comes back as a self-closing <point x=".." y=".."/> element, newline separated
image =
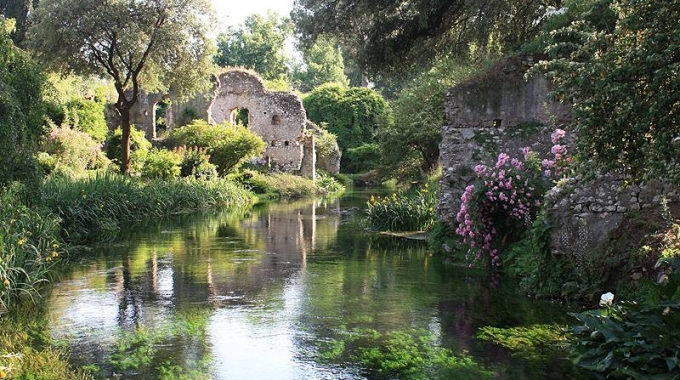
<point x="402" y="34"/>
<point x="19" y="11"/>
<point x="21" y="110"/>
<point x="624" y="79"/>
<point x="322" y="63"/>
<point x="413" y="143"/>
<point x="257" y="45"/>
<point x="353" y="115"/>
<point x="158" y="45"/>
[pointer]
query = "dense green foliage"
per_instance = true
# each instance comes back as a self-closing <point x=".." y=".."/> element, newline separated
<point x="622" y="71"/>
<point x="410" y="147"/>
<point x="18" y="10"/>
<point x="322" y="63"/>
<point x="21" y="110"/>
<point x="155" y="45"/>
<point x="71" y="152"/>
<point x="404" y="34"/>
<point x="139" y="148"/>
<point x="161" y="163"/>
<point x="95" y="208"/>
<point x="412" y="210"/>
<point x="229" y="146"/>
<point x="88" y="116"/>
<point x="29" y="247"/>
<point x="352" y="114"/>
<point x="629" y="340"/>
<point x="257" y="45"/>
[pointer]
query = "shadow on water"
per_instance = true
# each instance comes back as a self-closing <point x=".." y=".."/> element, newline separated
<point x="293" y="290"/>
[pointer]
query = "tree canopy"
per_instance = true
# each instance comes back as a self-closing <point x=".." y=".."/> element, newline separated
<point x="624" y="78"/>
<point x="352" y="114"/>
<point x="155" y="45"/>
<point x="404" y="33"/>
<point x="322" y="63"/>
<point x="412" y="144"/>
<point x="259" y="44"/>
<point x="21" y="109"/>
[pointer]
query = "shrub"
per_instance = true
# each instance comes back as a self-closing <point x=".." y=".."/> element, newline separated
<point x="628" y="340"/>
<point x="504" y="199"/>
<point x="407" y="211"/>
<point x="362" y="158"/>
<point x="71" y="150"/>
<point x="229" y="145"/>
<point x="196" y="163"/>
<point x="352" y="114"/>
<point x="327" y="184"/>
<point x="325" y="143"/>
<point x="161" y="163"/>
<point x="88" y="116"/>
<point x="139" y="148"/>
<point x="21" y="110"/>
<point x="29" y="247"/>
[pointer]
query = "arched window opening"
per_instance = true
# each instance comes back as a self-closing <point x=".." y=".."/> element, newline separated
<point x="240" y="116"/>
<point x="161" y="114"/>
<point x="273" y="143"/>
<point x="276" y="120"/>
<point x="287" y="143"/>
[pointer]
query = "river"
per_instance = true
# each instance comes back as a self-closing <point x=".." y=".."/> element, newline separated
<point x="292" y="290"/>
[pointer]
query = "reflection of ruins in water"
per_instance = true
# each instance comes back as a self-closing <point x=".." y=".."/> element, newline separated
<point x="284" y="234"/>
<point x="224" y="261"/>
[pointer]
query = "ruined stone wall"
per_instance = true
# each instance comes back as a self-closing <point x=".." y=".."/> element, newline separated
<point x="279" y="118"/>
<point x="585" y="214"/>
<point x="501" y="112"/>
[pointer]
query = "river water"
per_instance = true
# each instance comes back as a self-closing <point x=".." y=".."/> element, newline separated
<point x="293" y="290"/>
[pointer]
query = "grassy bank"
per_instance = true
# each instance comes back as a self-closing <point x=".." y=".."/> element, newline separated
<point x="94" y="208"/>
<point x="274" y="186"/>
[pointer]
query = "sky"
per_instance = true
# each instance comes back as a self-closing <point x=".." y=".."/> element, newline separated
<point x="234" y="12"/>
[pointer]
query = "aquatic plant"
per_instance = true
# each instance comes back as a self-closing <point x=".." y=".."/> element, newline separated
<point x="407" y="211"/>
<point x="327" y="184"/>
<point x="408" y="355"/>
<point x="628" y="340"/>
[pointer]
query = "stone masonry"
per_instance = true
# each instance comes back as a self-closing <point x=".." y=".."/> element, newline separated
<point x="502" y="112"/>
<point x="279" y="118"/>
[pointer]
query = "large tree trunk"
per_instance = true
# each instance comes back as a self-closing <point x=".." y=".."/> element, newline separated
<point x="125" y="140"/>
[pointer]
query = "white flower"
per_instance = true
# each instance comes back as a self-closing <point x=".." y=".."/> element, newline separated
<point x="606" y="299"/>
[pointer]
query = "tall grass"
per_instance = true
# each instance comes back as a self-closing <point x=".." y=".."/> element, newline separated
<point x="29" y="247"/>
<point x="94" y="208"/>
<point x="28" y="352"/>
<point x="412" y="210"/>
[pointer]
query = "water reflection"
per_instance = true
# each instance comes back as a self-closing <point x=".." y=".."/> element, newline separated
<point x="221" y="296"/>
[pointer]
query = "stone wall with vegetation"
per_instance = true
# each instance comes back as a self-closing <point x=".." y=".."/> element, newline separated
<point x="500" y="112"/>
<point x="588" y="216"/>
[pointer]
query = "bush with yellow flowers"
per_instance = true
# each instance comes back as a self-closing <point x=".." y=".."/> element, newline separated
<point x="29" y="247"/>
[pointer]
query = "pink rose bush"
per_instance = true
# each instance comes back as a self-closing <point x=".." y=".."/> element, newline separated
<point x="505" y="198"/>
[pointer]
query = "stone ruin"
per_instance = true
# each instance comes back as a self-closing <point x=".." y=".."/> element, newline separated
<point x="502" y="113"/>
<point x="279" y="118"/>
